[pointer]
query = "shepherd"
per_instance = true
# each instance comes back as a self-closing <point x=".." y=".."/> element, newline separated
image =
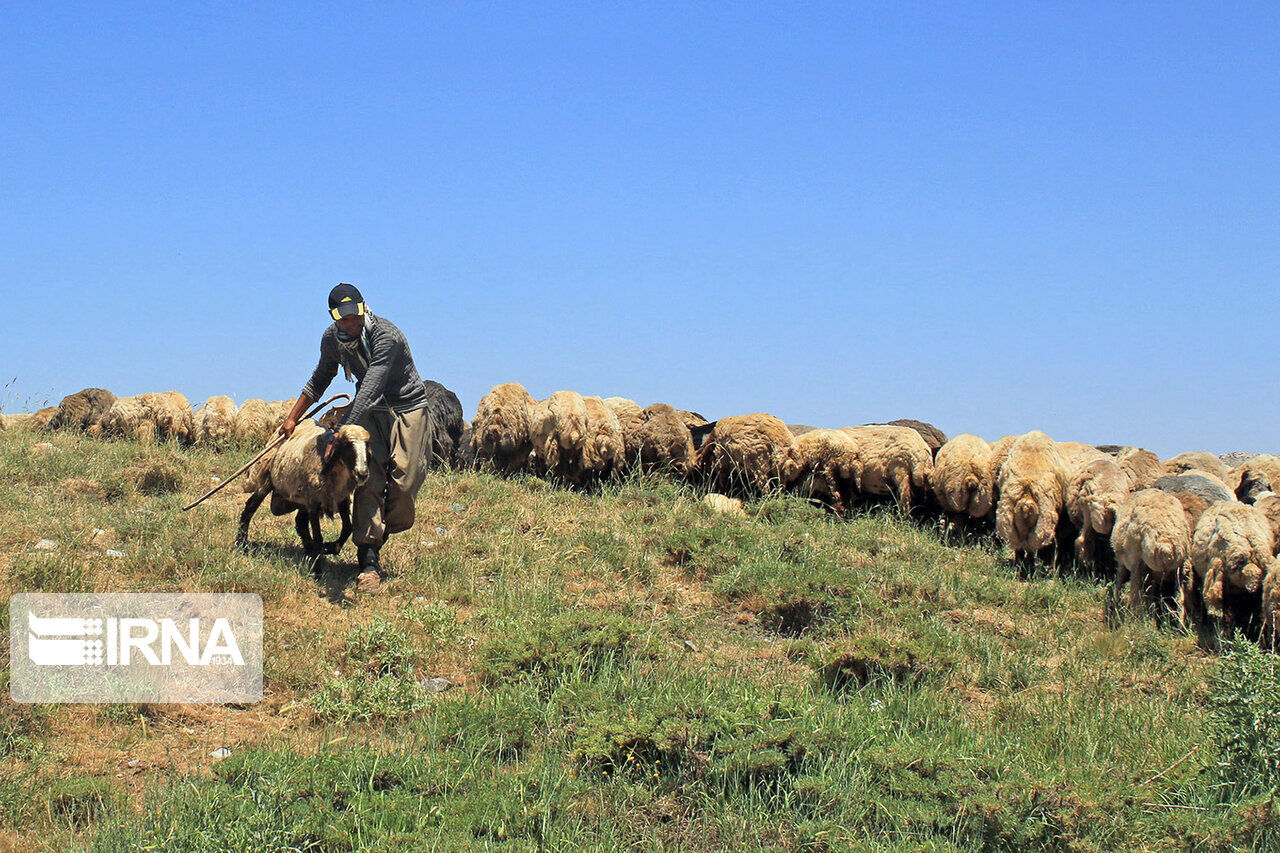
<point x="391" y="403"/>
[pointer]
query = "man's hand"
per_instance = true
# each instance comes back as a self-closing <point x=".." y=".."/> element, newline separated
<point x="287" y="428"/>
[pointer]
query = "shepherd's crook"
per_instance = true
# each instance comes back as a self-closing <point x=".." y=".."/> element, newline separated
<point x="261" y="453"/>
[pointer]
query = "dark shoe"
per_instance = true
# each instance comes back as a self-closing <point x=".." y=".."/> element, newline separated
<point x="367" y="559"/>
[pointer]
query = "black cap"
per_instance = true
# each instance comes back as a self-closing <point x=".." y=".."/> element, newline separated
<point x="345" y="300"/>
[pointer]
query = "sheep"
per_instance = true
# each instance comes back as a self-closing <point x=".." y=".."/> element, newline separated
<point x="1032" y="495"/>
<point x="1250" y="479"/>
<point x="253" y="422"/>
<point x="663" y="441"/>
<point x="84" y="408"/>
<point x="933" y="437"/>
<point x="604" y="450"/>
<point x="173" y="416"/>
<point x="1150" y="538"/>
<point x="829" y="460"/>
<point x="1142" y="466"/>
<point x="798" y="430"/>
<point x="1196" y="459"/>
<point x="1197" y="483"/>
<point x="1076" y="455"/>
<point x="999" y="453"/>
<point x="299" y="478"/>
<point x="630" y="418"/>
<point x="558" y="427"/>
<point x="892" y="461"/>
<point x="749" y="454"/>
<point x="1268" y="503"/>
<point x="150" y="417"/>
<point x="44" y="419"/>
<point x="216" y="421"/>
<point x="1094" y="494"/>
<point x="1232" y="550"/>
<point x="961" y="480"/>
<point x="501" y="432"/>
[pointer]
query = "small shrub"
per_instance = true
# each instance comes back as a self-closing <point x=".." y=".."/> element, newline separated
<point x="578" y="641"/>
<point x="1244" y="700"/>
<point x="158" y="476"/>
<point x="360" y="699"/>
<point x="380" y="648"/>
<point x="79" y="800"/>
<point x="872" y="658"/>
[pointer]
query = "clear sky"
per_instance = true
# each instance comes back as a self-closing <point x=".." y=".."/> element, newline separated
<point x="994" y="217"/>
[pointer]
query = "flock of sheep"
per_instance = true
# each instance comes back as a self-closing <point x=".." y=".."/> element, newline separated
<point x="1188" y="535"/>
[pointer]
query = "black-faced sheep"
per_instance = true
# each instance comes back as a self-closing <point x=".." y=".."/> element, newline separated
<point x="1094" y="495"/>
<point x="1232" y="550"/>
<point x="662" y="441"/>
<point x="829" y="466"/>
<point x="1250" y="479"/>
<point x="216" y="422"/>
<point x="558" y="427"/>
<point x="1196" y="460"/>
<point x="1151" y="541"/>
<point x="1032" y="496"/>
<point x="749" y="454"/>
<point x="299" y="479"/>
<point x="501" y="434"/>
<point x="961" y="481"/>
<point x="893" y="461"/>
<point x="84" y="408"/>
<point x="1142" y="466"/>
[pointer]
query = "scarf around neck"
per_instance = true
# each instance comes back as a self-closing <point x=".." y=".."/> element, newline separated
<point x="356" y="348"/>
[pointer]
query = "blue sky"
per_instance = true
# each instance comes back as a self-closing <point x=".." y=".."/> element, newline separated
<point x="995" y="217"/>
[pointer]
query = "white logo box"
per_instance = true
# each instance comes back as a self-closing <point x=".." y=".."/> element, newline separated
<point x="135" y="647"/>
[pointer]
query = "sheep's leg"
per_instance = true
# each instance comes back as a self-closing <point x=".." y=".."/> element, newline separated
<point x="344" y="512"/>
<point x="302" y="523"/>
<point x="250" y="507"/>
<point x="316" y="552"/>
<point x="1136" y="577"/>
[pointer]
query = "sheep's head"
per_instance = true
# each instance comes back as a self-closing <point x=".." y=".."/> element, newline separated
<point x="351" y="448"/>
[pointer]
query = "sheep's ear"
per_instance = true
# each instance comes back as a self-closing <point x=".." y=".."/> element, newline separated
<point x="338" y="442"/>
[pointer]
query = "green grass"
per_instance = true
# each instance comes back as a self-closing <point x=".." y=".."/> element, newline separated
<point x="632" y="670"/>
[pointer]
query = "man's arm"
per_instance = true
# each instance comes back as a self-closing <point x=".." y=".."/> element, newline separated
<point x="291" y="423"/>
<point x="375" y="378"/>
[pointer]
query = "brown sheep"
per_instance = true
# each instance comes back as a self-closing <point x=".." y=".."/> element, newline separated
<point x="1093" y="496"/>
<point x="501" y="435"/>
<point x="1232" y="550"/>
<point x="43" y="420"/>
<point x="300" y="479"/>
<point x="84" y="408"/>
<point x="630" y="418"/>
<point x="150" y="417"/>
<point x="961" y="480"/>
<point x="253" y="422"/>
<point x="1196" y="460"/>
<point x="1150" y="538"/>
<point x="173" y="416"/>
<point x="749" y="453"/>
<point x="893" y="461"/>
<point x="663" y="441"/>
<point x="829" y="467"/>
<point x="1032" y="496"/>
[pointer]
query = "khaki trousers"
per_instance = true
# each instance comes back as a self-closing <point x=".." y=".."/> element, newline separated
<point x="397" y="466"/>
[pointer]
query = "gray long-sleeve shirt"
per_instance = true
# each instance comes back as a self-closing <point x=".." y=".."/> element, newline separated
<point x="390" y="379"/>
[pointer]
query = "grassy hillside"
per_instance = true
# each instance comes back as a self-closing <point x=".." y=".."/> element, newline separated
<point x="630" y="669"/>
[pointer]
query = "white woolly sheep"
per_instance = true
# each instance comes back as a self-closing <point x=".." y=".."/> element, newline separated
<point x="254" y="424"/>
<point x="299" y="479"/>
<point x="749" y="453"/>
<point x="604" y="450"/>
<point x="829" y="465"/>
<point x="1032" y="496"/>
<point x="1232" y="550"/>
<point x="892" y="461"/>
<point x="1196" y="460"/>
<point x="1093" y="496"/>
<point x="630" y="418"/>
<point x="1150" y="539"/>
<point x="216" y="421"/>
<point x="961" y="481"/>
<point x="500" y="432"/>
<point x="558" y="427"/>
<point x="1142" y="466"/>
